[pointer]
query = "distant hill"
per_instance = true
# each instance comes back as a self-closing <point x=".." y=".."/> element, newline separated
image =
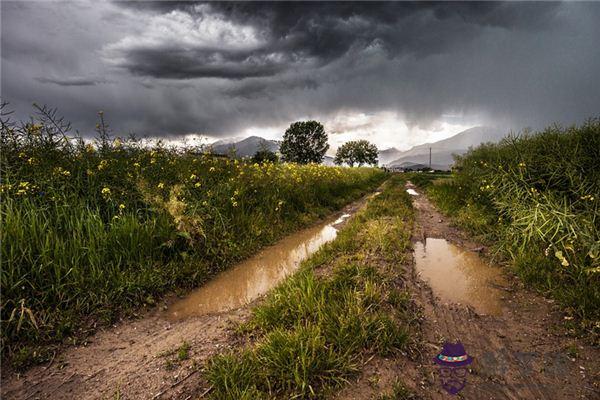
<point x="387" y="155"/>
<point x="246" y="147"/>
<point x="441" y="152"/>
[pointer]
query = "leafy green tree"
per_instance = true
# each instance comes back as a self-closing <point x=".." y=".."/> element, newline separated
<point x="264" y="155"/>
<point x="356" y="152"/>
<point x="304" y="142"/>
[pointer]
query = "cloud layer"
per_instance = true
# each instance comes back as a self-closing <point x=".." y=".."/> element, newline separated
<point x="170" y="68"/>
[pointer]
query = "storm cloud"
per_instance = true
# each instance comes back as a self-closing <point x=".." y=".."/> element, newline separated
<point x="171" y="68"/>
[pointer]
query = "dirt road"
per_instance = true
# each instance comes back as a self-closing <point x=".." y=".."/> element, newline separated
<point x="522" y="353"/>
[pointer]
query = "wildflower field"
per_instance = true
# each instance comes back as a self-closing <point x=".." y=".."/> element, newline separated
<point x="92" y="231"/>
<point x="535" y="198"/>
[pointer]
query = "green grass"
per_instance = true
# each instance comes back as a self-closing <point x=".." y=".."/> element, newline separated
<point x="535" y="198"/>
<point x="316" y="328"/>
<point x="93" y="232"/>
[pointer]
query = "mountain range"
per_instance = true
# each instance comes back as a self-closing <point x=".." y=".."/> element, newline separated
<point x="415" y="158"/>
<point x="441" y="151"/>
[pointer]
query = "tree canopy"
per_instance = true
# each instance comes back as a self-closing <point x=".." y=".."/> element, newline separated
<point x="356" y="152"/>
<point x="264" y="155"/>
<point x="304" y="142"/>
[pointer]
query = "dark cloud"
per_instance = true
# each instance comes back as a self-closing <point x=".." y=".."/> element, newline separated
<point x="73" y="81"/>
<point x="218" y="68"/>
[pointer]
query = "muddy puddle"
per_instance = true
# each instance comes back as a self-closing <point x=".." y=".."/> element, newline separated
<point x="255" y="276"/>
<point x="459" y="276"/>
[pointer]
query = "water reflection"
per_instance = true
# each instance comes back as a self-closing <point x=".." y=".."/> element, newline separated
<point x="257" y="275"/>
<point x="459" y="276"/>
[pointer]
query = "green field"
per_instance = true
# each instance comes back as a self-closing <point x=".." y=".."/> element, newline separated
<point x="535" y="199"/>
<point x="91" y="232"/>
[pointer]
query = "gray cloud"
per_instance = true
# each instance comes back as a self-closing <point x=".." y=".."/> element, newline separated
<point x="218" y="68"/>
<point x="73" y="81"/>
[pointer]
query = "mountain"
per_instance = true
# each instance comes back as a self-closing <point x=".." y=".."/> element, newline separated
<point x="441" y="152"/>
<point x="246" y="147"/>
<point x="387" y="155"/>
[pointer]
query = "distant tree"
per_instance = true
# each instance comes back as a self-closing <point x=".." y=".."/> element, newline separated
<point x="264" y="155"/>
<point x="356" y="152"/>
<point x="304" y="142"/>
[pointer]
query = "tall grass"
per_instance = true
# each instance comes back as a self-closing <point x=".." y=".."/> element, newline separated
<point x="316" y="329"/>
<point x="537" y="196"/>
<point x="89" y="231"/>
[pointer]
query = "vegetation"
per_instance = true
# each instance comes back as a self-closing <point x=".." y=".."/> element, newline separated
<point x="262" y="156"/>
<point x="318" y="327"/>
<point x="536" y="198"/>
<point x="304" y="142"/>
<point x="356" y="152"/>
<point x="92" y="230"/>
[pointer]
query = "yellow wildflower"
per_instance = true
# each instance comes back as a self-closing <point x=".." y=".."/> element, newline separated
<point x="121" y="206"/>
<point x="160" y="185"/>
<point x="105" y="191"/>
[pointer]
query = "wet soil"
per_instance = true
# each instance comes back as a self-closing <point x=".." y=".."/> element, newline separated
<point x="520" y="352"/>
<point x="137" y="359"/>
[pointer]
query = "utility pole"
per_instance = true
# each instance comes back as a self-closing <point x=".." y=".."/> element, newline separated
<point x="430" y="158"/>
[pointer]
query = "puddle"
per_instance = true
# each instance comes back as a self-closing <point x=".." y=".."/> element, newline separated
<point x="459" y="276"/>
<point x="412" y="192"/>
<point x="255" y="276"/>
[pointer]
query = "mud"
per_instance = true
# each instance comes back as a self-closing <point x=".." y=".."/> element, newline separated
<point x="255" y="276"/>
<point x="459" y="276"/>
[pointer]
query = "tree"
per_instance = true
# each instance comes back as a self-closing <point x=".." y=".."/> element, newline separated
<point x="264" y="155"/>
<point x="356" y="152"/>
<point x="304" y="142"/>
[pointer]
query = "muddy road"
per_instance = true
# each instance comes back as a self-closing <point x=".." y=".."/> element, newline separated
<point x="514" y="336"/>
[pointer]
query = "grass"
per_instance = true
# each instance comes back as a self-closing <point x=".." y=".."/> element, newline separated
<point x="316" y="329"/>
<point x="399" y="392"/>
<point x="536" y="199"/>
<point x="90" y="232"/>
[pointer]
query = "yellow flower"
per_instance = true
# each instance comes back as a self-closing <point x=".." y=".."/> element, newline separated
<point x="31" y="161"/>
<point x="197" y="184"/>
<point x="212" y="169"/>
<point x="121" y="206"/>
<point x="22" y="155"/>
<point x="102" y="165"/>
<point x="522" y="164"/>
<point x="136" y="164"/>
<point x="234" y="204"/>
<point x="105" y="191"/>
<point x="192" y="177"/>
<point x="160" y="185"/>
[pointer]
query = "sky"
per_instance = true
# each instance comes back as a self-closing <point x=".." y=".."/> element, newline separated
<point x="397" y="74"/>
